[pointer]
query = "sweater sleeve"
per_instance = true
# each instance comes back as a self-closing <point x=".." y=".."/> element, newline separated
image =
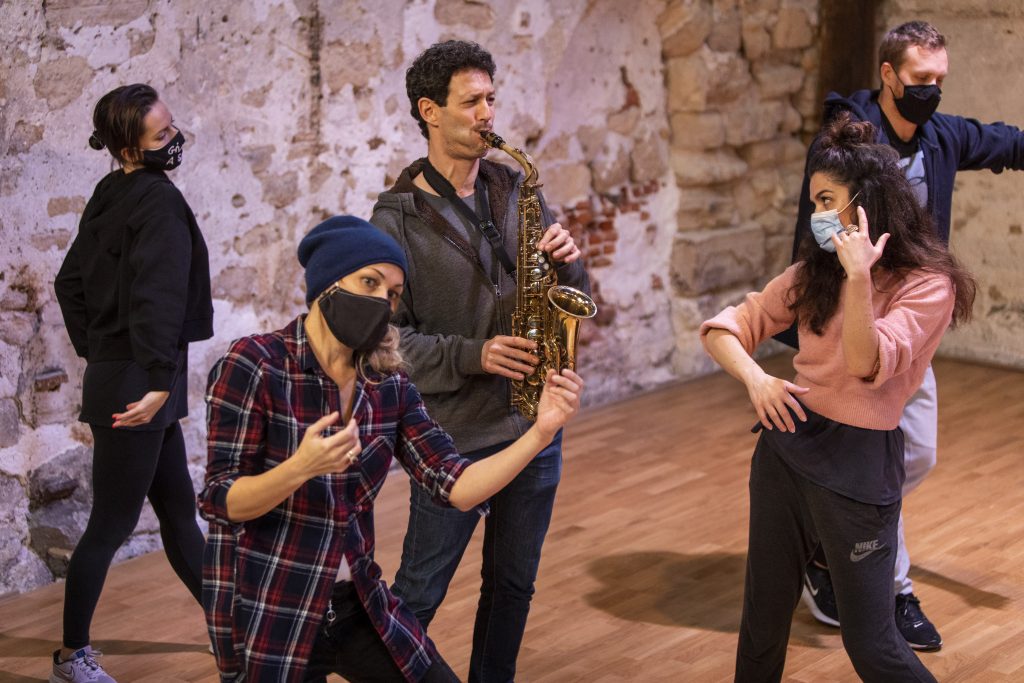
<point x="913" y="325"/>
<point x="992" y="146"/>
<point x="160" y="259"/>
<point x="71" y="297"/>
<point x="443" y="362"/>
<point x="571" y="274"/>
<point x="760" y="315"/>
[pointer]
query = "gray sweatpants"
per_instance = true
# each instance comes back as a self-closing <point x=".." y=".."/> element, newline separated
<point x="789" y="517"/>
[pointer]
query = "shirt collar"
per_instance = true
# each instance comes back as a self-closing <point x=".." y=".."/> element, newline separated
<point x="299" y="346"/>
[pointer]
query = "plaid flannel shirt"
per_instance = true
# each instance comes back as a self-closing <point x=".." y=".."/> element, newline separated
<point x="267" y="581"/>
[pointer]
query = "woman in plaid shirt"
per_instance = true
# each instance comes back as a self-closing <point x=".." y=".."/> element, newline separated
<point x="303" y="424"/>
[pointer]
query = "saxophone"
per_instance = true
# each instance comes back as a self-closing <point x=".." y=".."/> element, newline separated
<point x="546" y="312"/>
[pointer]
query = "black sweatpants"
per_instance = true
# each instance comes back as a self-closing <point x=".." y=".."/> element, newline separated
<point x="128" y="467"/>
<point x="789" y="517"/>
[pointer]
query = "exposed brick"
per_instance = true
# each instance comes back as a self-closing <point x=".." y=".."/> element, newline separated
<point x="62" y="81"/>
<point x="472" y="13"/>
<point x="49" y="380"/>
<point x="67" y="13"/>
<point x="350" y="63"/>
<point x="57" y="206"/>
<point x="24" y="136"/>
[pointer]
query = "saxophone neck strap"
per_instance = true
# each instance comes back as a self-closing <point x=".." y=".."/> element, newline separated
<point x="482" y="221"/>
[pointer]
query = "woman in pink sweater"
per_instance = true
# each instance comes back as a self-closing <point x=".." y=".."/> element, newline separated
<point x="873" y="292"/>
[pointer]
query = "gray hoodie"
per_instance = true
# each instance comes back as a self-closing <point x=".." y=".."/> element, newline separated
<point x="451" y="306"/>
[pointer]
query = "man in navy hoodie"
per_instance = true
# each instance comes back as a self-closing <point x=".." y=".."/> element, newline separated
<point x="933" y="147"/>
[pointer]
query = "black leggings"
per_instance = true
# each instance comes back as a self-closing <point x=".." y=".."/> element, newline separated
<point x="128" y="466"/>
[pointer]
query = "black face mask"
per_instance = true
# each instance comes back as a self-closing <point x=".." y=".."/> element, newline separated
<point x="358" y="322"/>
<point x="167" y="157"/>
<point x="918" y="103"/>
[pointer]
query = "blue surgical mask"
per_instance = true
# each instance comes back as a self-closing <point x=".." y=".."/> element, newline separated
<point x="824" y="224"/>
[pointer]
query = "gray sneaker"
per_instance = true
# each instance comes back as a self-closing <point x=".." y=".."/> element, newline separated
<point x="81" y="667"/>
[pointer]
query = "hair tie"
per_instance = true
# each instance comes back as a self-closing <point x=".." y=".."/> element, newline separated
<point x="95" y="142"/>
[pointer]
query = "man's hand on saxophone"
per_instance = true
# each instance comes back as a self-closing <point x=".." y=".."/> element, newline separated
<point x="510" y="357"/>
<point x="558" y="242"/>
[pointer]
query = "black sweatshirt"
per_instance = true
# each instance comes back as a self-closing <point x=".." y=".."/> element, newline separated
<point x="135" y="284"/>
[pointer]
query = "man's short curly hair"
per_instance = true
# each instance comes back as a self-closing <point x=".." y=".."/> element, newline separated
<point x="431" y="73"/>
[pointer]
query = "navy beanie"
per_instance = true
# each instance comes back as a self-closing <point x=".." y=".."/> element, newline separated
<point x="342" y="245"/>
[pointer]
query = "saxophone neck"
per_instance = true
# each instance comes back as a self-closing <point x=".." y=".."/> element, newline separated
<point x="522" y="158"/>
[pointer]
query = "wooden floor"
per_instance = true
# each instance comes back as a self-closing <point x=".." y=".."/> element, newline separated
<point x="643" y="566"/>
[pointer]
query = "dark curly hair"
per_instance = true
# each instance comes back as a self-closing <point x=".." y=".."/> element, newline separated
<point x="431" y="73"/>
<point x="119" y="118"/>
<point x="846" y="152"/>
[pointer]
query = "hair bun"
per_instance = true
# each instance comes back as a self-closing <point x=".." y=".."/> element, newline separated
<point x="95" y="142"/>
<point x="843" y="131"/>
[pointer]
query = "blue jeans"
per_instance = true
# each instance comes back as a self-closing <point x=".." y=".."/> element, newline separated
<point x="513" y="535"/>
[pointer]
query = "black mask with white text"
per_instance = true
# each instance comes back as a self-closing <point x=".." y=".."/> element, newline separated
<point x="167" y="157"/>
<point x="359" y="322"/>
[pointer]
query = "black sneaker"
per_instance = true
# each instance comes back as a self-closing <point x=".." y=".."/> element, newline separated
<point x="919" y="633"/>
<point x="819" y="596"/>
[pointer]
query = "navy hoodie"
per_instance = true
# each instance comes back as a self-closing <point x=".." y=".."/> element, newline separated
<point x="949" y="143"/>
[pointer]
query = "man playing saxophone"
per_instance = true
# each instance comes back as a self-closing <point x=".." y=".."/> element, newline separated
<point x="455" y="317"/>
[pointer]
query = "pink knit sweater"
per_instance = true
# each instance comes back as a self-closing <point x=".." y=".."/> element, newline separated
<point x="911" y="316"/>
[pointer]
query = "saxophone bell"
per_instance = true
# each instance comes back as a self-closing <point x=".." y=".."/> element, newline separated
<point x="569" y="307"/>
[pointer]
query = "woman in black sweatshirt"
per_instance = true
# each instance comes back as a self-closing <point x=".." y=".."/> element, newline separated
<point x="134" y="290"/>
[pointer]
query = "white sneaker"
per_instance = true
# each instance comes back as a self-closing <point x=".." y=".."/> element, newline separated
<point x="81" y="667"/>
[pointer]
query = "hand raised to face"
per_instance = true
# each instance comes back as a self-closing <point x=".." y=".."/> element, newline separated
<point x="853" y="246"/>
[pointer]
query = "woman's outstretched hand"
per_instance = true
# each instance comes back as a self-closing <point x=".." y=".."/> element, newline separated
<point x="559" y="401"/>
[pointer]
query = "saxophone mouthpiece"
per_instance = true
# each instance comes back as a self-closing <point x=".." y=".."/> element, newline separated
<point x="492" y="138"/>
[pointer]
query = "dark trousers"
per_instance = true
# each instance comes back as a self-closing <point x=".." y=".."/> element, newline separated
<point x="350" y="647"/>
<point x="789" y="517"/>
<point x="514" y="534"/>
<point x="128" y="467"/>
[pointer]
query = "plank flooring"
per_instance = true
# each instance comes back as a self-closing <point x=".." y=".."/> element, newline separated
<point x="642" y="572"/>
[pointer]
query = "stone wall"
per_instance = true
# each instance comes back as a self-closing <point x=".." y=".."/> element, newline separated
<point x="294" y="110"/>
<point x="741" y="81"/>
<point x="668" y="134"/>
<point x="984" y="82"/>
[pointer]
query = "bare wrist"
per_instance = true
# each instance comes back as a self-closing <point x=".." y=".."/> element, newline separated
<point x="751" y="373"/>
<point x="541" y="437"/>
<point x="859" y="277"/>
